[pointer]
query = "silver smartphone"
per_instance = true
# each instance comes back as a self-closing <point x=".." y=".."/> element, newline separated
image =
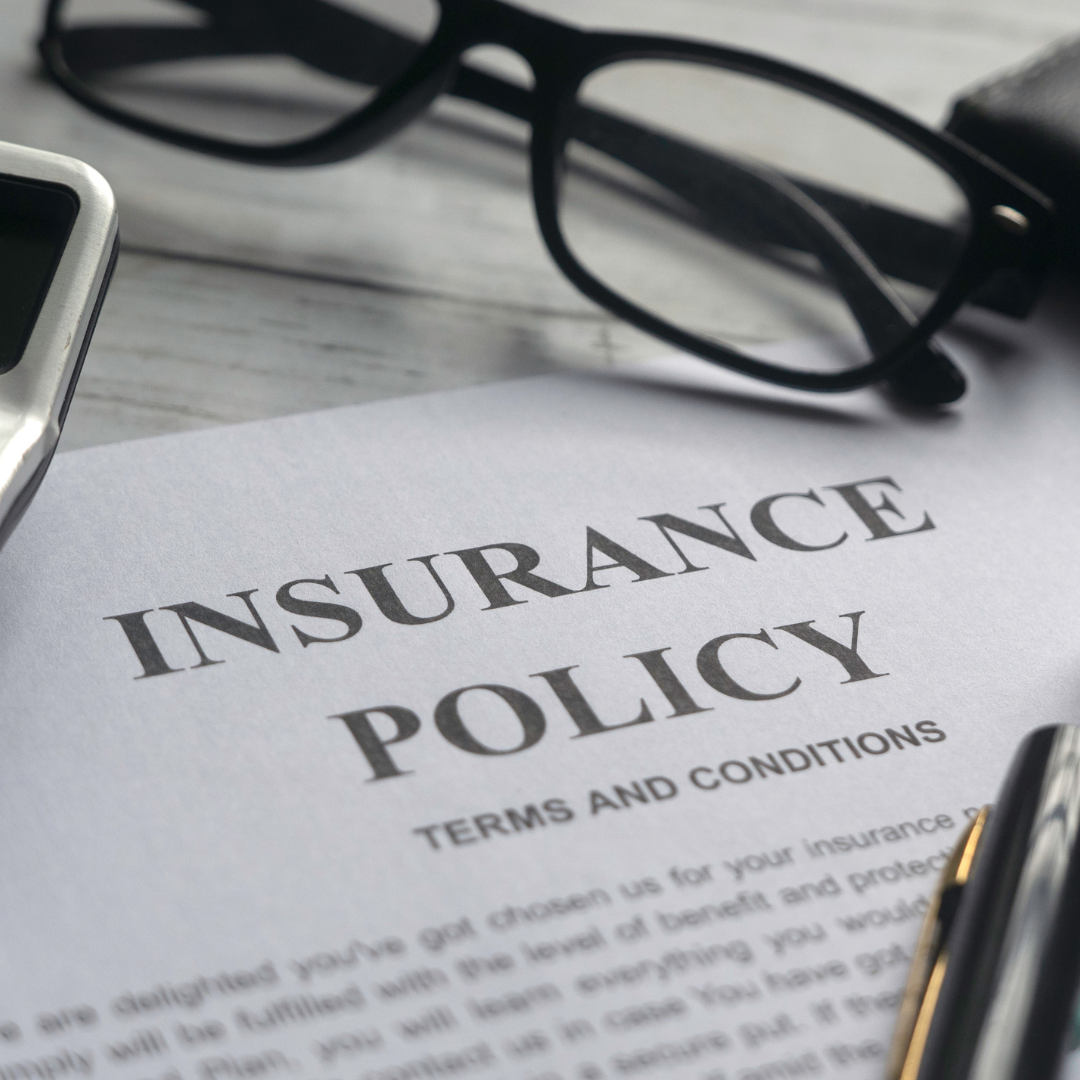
<point x="58" y="245"/>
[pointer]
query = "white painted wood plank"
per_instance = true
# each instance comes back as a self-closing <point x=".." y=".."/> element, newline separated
<point x="1002" y="18"/>
<point x="183" y="345"/>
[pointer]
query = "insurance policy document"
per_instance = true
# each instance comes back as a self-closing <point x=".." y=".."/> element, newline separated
<point x="568" y="729"/>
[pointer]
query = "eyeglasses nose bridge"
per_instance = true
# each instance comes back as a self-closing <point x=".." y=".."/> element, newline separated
<point x="536" y="39"/>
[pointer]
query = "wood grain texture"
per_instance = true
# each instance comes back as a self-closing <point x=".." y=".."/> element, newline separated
<point x="245" y="293"/>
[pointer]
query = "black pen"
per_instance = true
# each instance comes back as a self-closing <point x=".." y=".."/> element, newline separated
<point x="993" y="986"/>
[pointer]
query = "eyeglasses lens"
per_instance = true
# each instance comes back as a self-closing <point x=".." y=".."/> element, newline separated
<point x="260" y="72"/>
<point x="748" y="214"/>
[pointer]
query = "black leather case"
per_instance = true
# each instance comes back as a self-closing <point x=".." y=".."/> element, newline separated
<point x="1029" y="121"/>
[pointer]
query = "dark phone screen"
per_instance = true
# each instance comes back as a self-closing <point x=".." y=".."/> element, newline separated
<point x="35" y="221"/>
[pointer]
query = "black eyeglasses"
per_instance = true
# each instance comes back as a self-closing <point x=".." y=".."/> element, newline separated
<point x="722" y="201"/>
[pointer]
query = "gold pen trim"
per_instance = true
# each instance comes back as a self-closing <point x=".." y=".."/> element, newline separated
<point x="913" y="1057"/>
<point x="931" y="960"/>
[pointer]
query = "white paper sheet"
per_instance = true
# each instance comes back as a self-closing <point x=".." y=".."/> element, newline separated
<point x="202" y="879"/>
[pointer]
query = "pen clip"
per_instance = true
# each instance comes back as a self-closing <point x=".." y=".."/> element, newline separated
<point x="932" y="957"/>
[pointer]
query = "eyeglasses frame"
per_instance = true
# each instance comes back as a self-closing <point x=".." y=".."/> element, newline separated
<point x="1010" y="227"/>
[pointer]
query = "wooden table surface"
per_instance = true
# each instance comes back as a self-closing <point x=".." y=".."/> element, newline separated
<point x="244" y="293"/>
